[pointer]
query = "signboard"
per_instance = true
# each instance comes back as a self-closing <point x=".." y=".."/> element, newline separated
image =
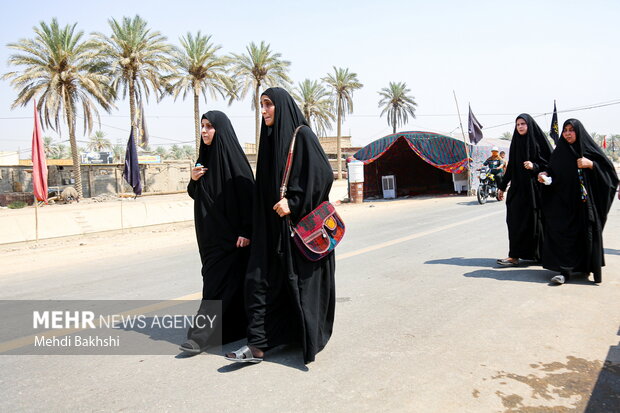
<point x="149" y="159"/>
<point x="97" y="157"/>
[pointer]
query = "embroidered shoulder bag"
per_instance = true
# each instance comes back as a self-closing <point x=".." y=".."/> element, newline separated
<point x="318" y="233"/>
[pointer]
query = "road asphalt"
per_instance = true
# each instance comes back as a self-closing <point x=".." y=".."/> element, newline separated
<point x="425" y="322"/>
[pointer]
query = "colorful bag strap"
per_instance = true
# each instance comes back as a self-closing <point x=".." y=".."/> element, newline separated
<point x="289" y="162"/>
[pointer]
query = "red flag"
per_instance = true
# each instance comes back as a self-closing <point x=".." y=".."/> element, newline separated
<point x="604" y="145"/>
<point x="39" y="165"/>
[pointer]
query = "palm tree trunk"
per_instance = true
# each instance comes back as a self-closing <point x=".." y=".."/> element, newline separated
<point x="338" y="148"/>
<point x="132" y="107"/>
<point x="197" y="120"/>
<point x="394" y="121"/>
<point x="257" y="110"/>
<point x="75" y="156"/>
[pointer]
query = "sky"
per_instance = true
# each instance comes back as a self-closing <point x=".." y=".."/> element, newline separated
<point x="501" y="57"/>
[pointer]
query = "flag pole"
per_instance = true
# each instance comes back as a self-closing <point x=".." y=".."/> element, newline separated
<point x="469" y="174"/>
<point x="36" y="218"/>
<point x="122" y="223"/>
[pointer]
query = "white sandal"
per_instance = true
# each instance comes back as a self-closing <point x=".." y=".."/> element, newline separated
<point x="244" y="355"/>
<point x="558" y="279"/>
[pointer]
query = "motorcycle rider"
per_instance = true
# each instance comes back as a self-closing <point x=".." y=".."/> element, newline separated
<point x="496" y="165"/>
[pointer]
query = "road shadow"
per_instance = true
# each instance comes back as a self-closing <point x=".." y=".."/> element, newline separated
<point x="514" y="274"/>
<point x="478" y="262"/>
<point x="289" y="356"/>
<point x="541" y="276"/>
<point x="476" y="203"/>
<point x="606" y="393"/>
<point x="464" y="262"/>
<point x="612" y="251"/>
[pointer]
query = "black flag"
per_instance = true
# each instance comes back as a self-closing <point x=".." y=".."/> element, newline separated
<point x="554" y="132"/>
<point x="132" y="169"/>
<point x="475" y="128"/>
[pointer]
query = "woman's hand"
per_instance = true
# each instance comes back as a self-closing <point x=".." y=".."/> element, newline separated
<point x="528" y="165"/>
<point x="242" y="242"/>
<point x="540" y="177"/>
<point x="500" y="195"/>
<point x="198" y="172"/>
<point x="584" y="163"/>
<point x="282" y="208"/>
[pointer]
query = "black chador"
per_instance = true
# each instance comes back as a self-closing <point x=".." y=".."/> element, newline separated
<point x="223" y="213"/>
<point x="523" y="213"/>
<point x="289" y="299"/>
<point x="576" y="204"/>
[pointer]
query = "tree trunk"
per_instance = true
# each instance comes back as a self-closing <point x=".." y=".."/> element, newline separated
<point x="197" y="121"/>
<point x="394" y="121"/>
<point x="338" y="148"/>
<point x="132" y="108"/>
<point x="257" y="110"/>
<point x="75" y="155"/>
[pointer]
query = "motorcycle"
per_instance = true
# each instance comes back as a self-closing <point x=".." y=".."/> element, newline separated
<point x="487" y="186"/>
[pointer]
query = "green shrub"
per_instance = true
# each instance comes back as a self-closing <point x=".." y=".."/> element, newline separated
<point x="17" y="204"/>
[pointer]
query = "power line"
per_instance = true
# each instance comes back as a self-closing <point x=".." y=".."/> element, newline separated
<point x="594" y="106"/>
<point x="151" y="116"/>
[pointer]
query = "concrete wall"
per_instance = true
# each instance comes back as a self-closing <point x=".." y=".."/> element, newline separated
<point x="170" y="176"/>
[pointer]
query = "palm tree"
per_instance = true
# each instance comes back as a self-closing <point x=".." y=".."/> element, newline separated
<point x="260" y="66"/>
<point x="162" y="152"/>
<point x="188" y="152"/>
<point x="137" y="57"/>
<point x="342" y="83"/>
<point x="49" y="147"/>
<point x="98" y="142"/>
<point x="64" y="73"/>
<point x="119" y="152"/>
<point x="176" y="152"/>
<point x="316" y="105"/>
<point x="506" y="136"/>
<point x="200" y="71"/>
<point x="397" y="104"/>
<point x="61" y="152"/>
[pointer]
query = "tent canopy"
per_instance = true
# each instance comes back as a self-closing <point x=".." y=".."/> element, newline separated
<point x="442" y="152"/>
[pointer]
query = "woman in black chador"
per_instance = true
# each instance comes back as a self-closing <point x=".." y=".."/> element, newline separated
<point x="529" y="154"/>
<point x="289" y="299"/>
<point x="575" y="204"/>
<point x="222" y="185"/>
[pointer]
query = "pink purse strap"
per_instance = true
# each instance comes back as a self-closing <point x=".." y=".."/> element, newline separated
<point x="289" y="163"/>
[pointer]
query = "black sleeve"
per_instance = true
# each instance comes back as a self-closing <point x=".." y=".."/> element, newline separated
<point x="191" y="188"/>
<point x="244" y="190"/>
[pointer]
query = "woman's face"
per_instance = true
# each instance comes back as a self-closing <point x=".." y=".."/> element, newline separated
<point x="268" y="110"/>
<point x="521" y="126"/>
<point x="207" y="131"/>
<point x="569" y="133"/>
<point x="494" y="154"/>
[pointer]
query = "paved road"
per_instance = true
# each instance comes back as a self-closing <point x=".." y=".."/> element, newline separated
<point x="424" y="323"/>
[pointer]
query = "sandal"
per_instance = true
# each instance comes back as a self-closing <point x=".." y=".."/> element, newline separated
<point x="507" y="262"/>
<point x="244" y="355"/>
<point x="558" y="279"/>
<point x="190" y="346"/>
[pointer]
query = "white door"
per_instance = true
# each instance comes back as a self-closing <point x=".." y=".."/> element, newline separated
<point x="389" y="186"/>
